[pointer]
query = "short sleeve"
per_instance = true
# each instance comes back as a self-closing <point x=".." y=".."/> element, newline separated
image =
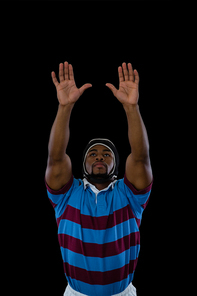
<point x="55" y="196"/>
<point x="138" y="199"/>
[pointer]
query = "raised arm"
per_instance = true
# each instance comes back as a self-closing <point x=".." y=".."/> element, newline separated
<point x="59" y="168"/>
<point x="138" y="167"/>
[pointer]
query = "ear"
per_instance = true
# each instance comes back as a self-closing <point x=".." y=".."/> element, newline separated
<point x="85" y="166"/>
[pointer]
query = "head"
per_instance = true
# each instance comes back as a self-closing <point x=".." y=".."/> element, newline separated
<point x="100" y="161"/>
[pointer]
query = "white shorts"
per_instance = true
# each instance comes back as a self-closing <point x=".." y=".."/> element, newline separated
<point x="129" y="291"/>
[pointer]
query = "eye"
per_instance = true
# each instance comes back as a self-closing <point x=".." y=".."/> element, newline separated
<point x="106" y="154"/>
<point x="93" y="154"/>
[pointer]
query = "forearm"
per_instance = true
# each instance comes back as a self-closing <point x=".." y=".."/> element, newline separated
<point x="137" y="134"/>
<point x="60" y="133"/>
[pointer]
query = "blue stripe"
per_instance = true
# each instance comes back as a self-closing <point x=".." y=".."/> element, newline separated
<point x="98" y="236"/>
<point x="100" y="264"/>
<point x="113" y="200"/>
<point x="98" y="290"/>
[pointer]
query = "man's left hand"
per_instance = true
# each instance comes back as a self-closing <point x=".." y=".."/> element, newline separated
<point x="127" y="93"/>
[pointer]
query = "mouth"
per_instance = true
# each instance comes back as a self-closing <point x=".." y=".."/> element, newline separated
<point x="99" y="165"/>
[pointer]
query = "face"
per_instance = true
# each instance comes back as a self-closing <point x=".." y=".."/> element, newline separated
<point x="99" y="160"/>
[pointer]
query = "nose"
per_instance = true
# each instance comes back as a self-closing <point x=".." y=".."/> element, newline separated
<point x="99" y="158"/>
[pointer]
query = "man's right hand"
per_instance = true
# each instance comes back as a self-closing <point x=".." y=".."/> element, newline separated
<point x="67" y="92"/>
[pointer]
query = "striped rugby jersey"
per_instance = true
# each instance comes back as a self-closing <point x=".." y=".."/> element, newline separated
<point x="99" y="237"/>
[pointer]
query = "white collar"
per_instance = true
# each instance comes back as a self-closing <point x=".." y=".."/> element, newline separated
<point x="94" y="189"/>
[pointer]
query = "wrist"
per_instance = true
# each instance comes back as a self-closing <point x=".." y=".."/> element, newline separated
<point x="68" y="107"/>
<point x="131" y="108"/>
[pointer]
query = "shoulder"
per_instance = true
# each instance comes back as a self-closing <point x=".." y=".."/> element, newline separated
<point x="65" y="192"/>
<point x="137" y="199"/>
<point x="124" y="183"/>
<point x="134" y="190"/>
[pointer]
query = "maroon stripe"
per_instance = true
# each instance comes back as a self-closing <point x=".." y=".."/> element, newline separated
<point x="63" y="190"/>
<point x="99" y="250"/>
<point x="144" y="205"/>
<point x="53" y="204"/>
<point x="98" y="277"/>
<point x="97" y="223"/>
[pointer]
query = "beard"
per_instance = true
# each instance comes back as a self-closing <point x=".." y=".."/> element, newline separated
<point x="99" y="176"/>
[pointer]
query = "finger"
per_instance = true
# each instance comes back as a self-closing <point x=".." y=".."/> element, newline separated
<point x="66" y="70"/>
<point x="84" y="87"/>
<point x="54" y="79"/>
<point x="71" y="74"/>
<point x="131" y="74"/>
<point x="112" y="87"/>
<point x="120" y="74"/>
<point x="61" y="72"/>
<point x="137" y="78"/>
<point x="125" y="71"/>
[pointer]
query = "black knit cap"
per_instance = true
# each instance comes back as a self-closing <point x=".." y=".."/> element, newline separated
<point x="111" y="146"/>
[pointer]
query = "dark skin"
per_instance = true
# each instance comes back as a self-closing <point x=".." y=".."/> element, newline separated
<point x="59" y="167"/>
<point x="99" y="160"/>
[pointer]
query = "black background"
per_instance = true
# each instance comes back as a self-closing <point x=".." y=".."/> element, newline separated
<point x="95" y="38"/>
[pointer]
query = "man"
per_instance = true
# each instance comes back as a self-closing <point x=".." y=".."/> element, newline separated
<point x="98" y="217"/>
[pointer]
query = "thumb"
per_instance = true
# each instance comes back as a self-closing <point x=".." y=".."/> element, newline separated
<point x="84" y="87"/>
<point x="112" y="87"/>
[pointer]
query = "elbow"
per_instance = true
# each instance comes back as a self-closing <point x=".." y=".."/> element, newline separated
<point x="144" y="160"/>
<point x="56" y="155"/>
<point x="54" y="159"/>
<point x="142" y="157"/>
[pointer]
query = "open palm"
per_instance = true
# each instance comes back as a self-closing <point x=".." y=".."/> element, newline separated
<point x="67" y="92"/>
<point x="127" y="93"/>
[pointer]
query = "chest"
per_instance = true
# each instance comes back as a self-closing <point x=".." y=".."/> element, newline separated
<point x="108" y="220"/>
<point x="98" y="204"/>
